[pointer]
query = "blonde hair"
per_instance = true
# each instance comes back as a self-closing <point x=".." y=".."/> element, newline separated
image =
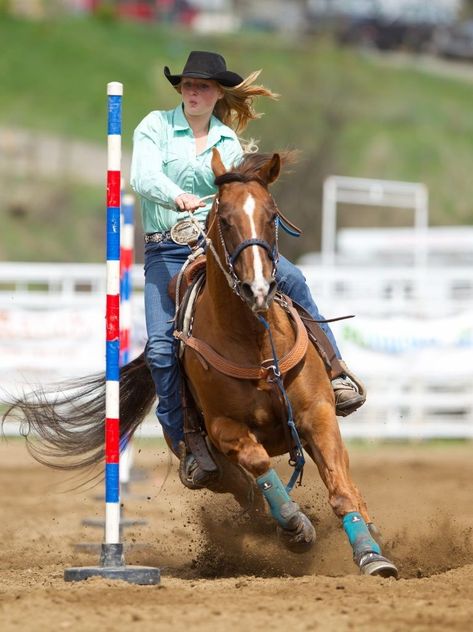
<point x="235" y="108"/>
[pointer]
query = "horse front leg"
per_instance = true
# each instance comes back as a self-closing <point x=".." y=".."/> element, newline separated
<point x="321" y="431"/>
<point x="234" y="480"/>
<point x="234" y="440"/>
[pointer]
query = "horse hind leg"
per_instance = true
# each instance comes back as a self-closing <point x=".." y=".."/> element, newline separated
<point x="326" y="448"/>
<point x="240" y="446"/>
<point x="362" y="508"/>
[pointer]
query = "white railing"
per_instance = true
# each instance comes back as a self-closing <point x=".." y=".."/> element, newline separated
<point x="433" y="291"/>
<point x="43" y="285"/>
<point x="430" y="398"/>
<point x="376" y="290"/>
<point x="411" y="341"/>
<point x="387" y="195"/>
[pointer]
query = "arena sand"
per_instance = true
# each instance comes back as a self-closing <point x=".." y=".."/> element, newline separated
<point x="221" y="573"/>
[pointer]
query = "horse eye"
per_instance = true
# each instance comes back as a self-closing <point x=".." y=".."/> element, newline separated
<point x="225" y="222"/>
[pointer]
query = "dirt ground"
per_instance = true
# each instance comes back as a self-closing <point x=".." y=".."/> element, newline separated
<point x="221" y="573"/>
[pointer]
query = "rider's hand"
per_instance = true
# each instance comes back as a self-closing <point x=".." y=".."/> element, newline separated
<point x="188" y="202"/>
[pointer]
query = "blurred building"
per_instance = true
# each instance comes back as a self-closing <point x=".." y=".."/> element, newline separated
<point x="384" y="24"/>
<point x="409" y="10"/>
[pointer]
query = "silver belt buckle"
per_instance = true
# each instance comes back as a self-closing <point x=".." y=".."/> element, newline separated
<point x="185" y="232"/>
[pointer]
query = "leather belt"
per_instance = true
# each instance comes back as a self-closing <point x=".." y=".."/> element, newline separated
<point x="182" y="233"/>
<point x="156" y="238"/>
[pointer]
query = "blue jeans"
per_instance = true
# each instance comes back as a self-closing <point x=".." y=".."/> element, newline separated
<point x="162" y="262"/>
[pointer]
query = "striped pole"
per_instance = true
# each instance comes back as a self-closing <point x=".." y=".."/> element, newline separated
<point x="112" y="560"/>
<point x="112" y="371"/>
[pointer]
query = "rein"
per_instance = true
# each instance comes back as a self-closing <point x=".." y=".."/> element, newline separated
<point x="297" y="459"/>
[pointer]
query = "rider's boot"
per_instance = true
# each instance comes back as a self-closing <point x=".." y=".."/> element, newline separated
<point x="192" y="475"/>
<point x="350" y="392"/>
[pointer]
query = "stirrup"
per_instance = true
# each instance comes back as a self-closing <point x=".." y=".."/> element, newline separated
<point x="350" y="392"/>
<point x="190" y="472"/>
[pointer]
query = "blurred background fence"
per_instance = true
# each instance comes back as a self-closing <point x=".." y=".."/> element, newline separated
<point x="411" y="340"/>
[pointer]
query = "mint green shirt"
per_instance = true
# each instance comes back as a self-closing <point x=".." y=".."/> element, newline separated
<point x="165" y="164"/>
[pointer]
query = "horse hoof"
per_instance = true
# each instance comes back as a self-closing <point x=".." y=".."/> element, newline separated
<point x="300" y="538"/>
<point x="377" y="565"/>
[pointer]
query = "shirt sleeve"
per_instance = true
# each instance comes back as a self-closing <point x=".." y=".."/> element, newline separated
<point x="232" y="153"/>
<point x="147" y="177"/>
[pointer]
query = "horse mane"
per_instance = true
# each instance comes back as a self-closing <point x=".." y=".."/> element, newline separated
<point x="248" y="168"/>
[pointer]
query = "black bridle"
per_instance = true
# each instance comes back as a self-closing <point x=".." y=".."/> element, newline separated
<point x="231" y="258"/>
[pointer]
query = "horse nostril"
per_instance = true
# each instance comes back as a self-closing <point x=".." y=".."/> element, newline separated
<point x="247" y="291"/>
<point x="273" y="286"/>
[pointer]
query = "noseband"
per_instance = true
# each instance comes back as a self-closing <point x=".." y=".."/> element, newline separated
<point x="272" y="252"/>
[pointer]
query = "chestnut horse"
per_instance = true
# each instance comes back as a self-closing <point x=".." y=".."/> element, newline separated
<point x="249" y="369"/>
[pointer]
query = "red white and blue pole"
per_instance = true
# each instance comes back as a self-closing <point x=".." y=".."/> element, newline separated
<point x="112" y="560"/>
<point x="112" y="370"/>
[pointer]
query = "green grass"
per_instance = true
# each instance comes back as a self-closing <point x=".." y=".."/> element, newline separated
<point x="50" y="221"/>
<point x="348" y="114"/>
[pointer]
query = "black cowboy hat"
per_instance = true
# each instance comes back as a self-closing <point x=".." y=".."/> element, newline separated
<point x="203" y="65"/>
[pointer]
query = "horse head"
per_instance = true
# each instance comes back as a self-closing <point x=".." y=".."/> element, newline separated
<point x="245" y="218"/>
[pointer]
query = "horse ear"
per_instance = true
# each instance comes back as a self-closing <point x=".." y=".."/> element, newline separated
<point x="270" y="171"/>
<point x="217" y="165"/>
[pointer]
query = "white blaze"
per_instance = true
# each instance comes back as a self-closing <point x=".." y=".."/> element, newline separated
<point x="259" y="286"/>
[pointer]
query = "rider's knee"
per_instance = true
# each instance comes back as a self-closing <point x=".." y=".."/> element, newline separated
<point x="291" y="278"/>
<point x="160" y="354"/>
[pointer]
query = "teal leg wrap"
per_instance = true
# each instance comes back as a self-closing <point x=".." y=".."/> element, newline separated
<point x="279" y="501"/>
<point x="360" y="538"/>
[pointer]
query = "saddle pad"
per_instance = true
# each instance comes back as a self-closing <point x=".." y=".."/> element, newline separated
<point x="186" y="310"/>
<point x="189" y="274"/>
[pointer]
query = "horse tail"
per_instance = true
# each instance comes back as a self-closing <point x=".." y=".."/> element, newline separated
<point x="64" y="424"/>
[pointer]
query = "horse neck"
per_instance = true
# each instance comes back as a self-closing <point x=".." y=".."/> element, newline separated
<point x="227" y="308"/>
<point x="235" y="324"/>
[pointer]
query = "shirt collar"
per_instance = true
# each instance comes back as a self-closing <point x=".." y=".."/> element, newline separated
<point x="180" y="122"/>
<point x="217" y="129"/>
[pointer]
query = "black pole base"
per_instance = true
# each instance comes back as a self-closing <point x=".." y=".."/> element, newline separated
<point x="142" y="575"/>
<point x="113" y="567"/>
